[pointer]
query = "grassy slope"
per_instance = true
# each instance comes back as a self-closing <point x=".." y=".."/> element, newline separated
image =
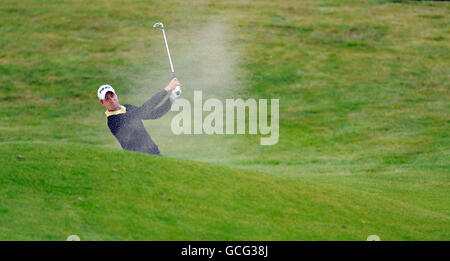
<point x="76" y="191"/>
<point x="364" y="142"/>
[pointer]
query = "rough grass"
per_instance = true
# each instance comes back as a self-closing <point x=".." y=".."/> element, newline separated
<point x="84" y="190"/>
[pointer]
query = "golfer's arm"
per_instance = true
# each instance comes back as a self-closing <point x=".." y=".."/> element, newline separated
<point x="149" y="105"/>
<point x="158" y="112"/>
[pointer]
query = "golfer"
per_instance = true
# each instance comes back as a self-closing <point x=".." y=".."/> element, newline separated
<point x="125" y="122"/>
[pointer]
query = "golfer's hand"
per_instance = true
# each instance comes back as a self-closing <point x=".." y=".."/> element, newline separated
<point x="172" y="84"/>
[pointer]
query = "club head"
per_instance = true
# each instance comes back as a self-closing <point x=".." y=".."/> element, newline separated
<point x="158" y="24"/>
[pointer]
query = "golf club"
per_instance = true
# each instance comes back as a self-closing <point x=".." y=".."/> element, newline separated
<point x="159" y="24"/>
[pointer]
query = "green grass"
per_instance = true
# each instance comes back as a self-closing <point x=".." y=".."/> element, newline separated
<point x="364" y="121"/>
<point x="87" y="191"/>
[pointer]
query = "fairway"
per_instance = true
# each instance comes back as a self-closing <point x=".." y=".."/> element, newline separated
<point x="364" y="120"/>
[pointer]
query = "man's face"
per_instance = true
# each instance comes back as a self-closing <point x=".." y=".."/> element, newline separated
<point x="111" y="102"/>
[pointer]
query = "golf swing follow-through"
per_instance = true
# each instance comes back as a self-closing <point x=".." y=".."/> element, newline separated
<point x="125" y="122"/>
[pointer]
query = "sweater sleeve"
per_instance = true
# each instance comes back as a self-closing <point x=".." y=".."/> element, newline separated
<point x="146" y="109"/>
<point x="158" y="112"/>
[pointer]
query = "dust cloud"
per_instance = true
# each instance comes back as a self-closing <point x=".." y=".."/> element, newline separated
<point x="204" y="62"/>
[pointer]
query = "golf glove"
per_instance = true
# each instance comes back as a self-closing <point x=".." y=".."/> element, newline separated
<point x="176" y="92"/>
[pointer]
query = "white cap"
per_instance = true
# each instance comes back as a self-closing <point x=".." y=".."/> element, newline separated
<point x="101" y="92"/>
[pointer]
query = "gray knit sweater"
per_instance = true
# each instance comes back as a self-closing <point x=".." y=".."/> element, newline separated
<point x="126" y="125"/>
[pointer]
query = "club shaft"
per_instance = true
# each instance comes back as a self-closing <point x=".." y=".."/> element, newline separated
<point x="168" y="52"/>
